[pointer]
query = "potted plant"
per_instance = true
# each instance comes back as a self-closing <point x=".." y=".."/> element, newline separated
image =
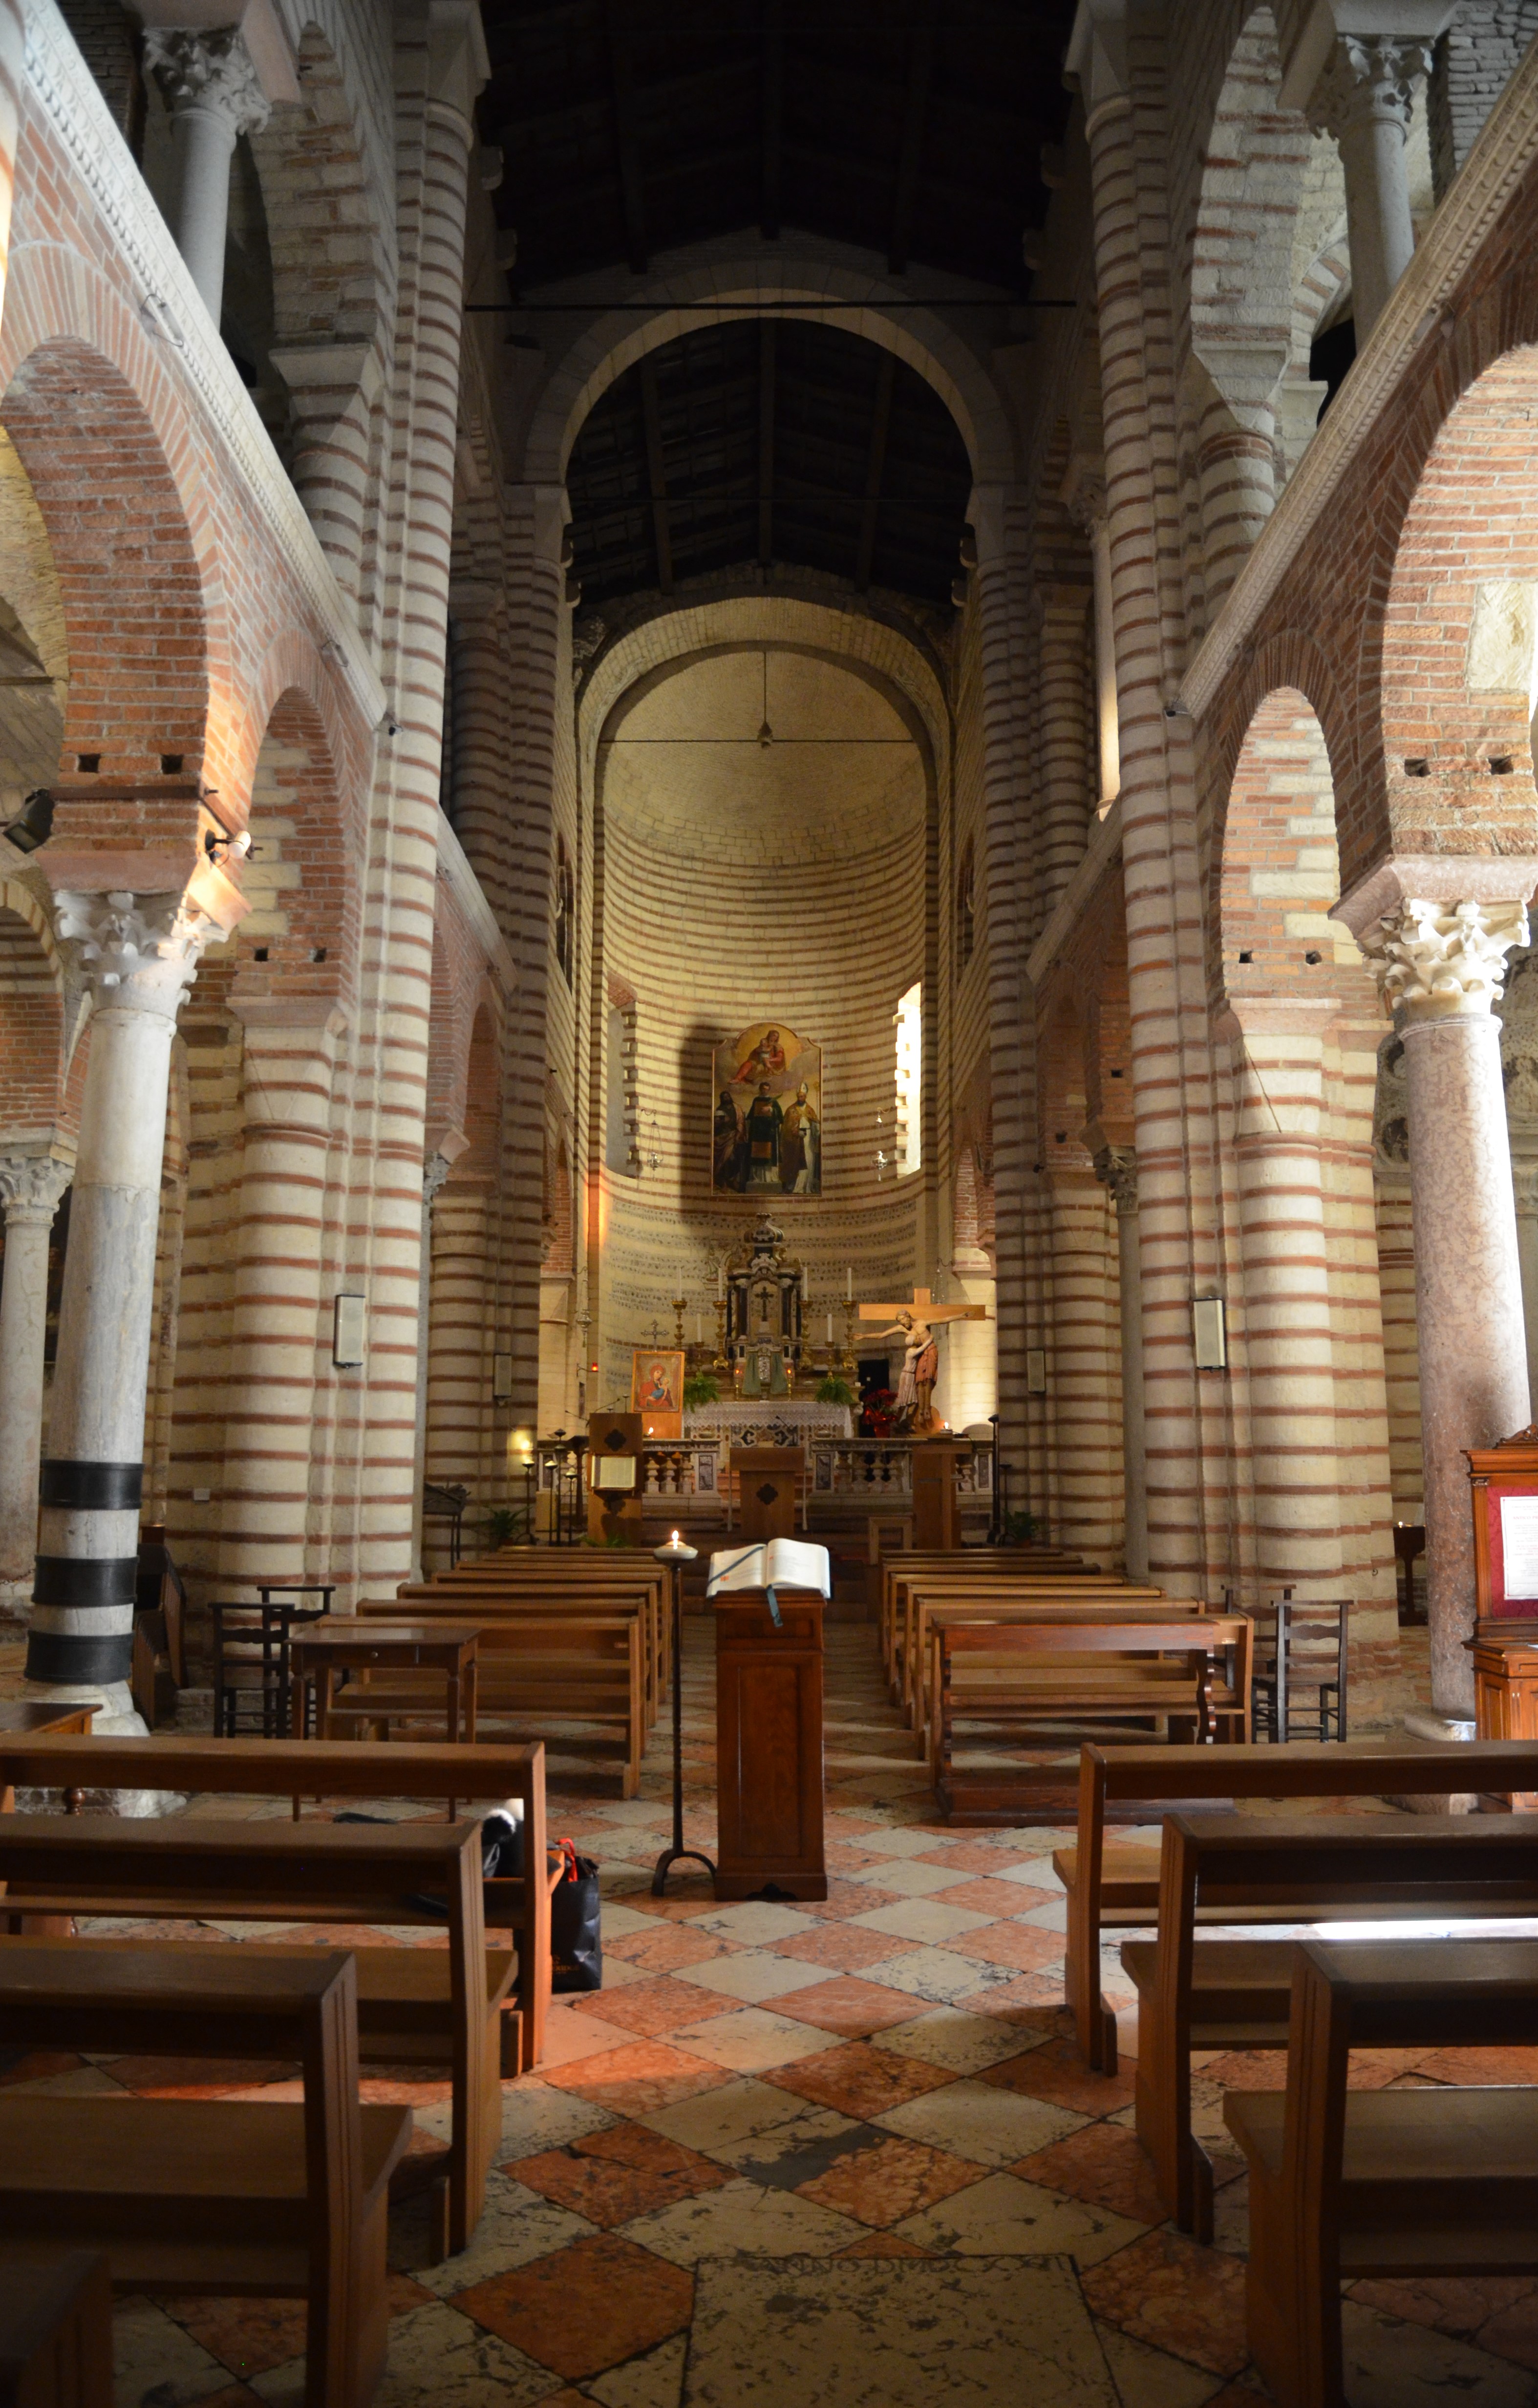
<point x="835" y="1391"/>
<point x="700" y="1389"/>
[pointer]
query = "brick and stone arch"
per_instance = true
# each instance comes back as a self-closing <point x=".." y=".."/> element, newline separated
<point x="1297" y="1027"/>
<point x="129" y="581"/>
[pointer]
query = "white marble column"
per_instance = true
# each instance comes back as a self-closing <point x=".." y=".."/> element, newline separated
<point x="214" y="95"/>
<point x="1117" y="1165"/>
<point x="1363" y="99"/>
<point x="137" y="954"/>
<point x="1441" y="965"/>
<point x="30" y="1188"/>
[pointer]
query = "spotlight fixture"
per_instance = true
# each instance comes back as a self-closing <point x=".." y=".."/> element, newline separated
<point x="33" y="824"/>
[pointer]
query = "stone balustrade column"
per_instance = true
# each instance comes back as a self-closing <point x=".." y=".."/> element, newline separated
<point x="1363" y="99"/>
<point x="277" y="1323"/>
<point x="1062" y="822"/>
<point x="214" y="95"/>
<point x="138" y="953"/>
<point x="1441" y="965"/>
<point x="30" y="1188"/>
<point x="1115" y="1165"/>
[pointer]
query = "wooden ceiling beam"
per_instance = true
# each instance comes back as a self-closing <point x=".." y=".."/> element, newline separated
<point x="886" y="377"/>
<point x="627" y="139"/>
<point x="767" y="332"/>
<point x="656" y="475"/>
<point x="771" y="83"/>
<point x="911" y="147"/>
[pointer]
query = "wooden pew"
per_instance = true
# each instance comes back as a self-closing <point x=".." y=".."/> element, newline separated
<point x="1045" y="1601"/>
<point x="56" y="2330"/>
<point x="1118" y="1884"/>
<point x="189" y="1870"/>
<point x="535" y="1668"/>
<point x="911" y="1596"/>
<point x="207" y="2194"/>
<point x="282" y="1768"/>
<point x="550" y="1604"/>
<point x="1237" y="1994"/>
<point x="551" y="1575"/>
<point x="1385" y="2184"/>
<point x="1021" y="1673"/>
<point x="977" y="1565"/>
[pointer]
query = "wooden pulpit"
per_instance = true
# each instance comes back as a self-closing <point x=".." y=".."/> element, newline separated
<point x="769" y="1745"/>
<point x="616" y="1473"/>
<point x="768" y="1476"/>
<point x="936" y="1525"/>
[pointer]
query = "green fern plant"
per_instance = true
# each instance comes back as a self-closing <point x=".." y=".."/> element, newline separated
<point x="700" y="1389"/>
<point x="835" y="1392"/>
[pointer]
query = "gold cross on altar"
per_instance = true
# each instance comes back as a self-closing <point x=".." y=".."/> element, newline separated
<point x="923" y="1310"/>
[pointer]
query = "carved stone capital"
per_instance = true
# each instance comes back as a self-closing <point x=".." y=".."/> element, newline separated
<point x="31" y="1185"/>
<point x="434" y="1171"/>
<point x="212" y="72"/>
<point x="133" y="952"/>
<point x="1115" y="1168"/>
<point x="1369" y="79"/>
<point x="1524" y="1183"/>
<point x="1084" y="492"/>
<point x="1433" y="959"/>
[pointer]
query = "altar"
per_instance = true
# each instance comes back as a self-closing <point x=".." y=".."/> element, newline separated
<point x="770" y="1421"/>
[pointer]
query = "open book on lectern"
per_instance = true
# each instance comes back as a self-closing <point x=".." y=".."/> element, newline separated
<point x="783" y="1563"/>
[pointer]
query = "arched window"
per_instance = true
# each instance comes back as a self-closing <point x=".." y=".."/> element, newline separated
<point x="565" y="912"/>
<point x="966" y="925"/>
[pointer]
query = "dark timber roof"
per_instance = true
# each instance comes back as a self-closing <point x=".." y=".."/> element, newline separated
<point x="911" y="129"/>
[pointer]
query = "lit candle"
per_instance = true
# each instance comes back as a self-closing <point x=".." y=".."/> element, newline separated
<point x="848" y="1285"/>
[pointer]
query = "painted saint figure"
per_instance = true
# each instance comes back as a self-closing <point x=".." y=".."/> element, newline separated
<point x="730" y="1167"/>
<point x="798" y="1145"/>
<point x="765" y="1120"/>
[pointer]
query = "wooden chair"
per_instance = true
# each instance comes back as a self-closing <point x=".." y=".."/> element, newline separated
<point x="1308" y="1656"/>
<point x="210" y="2195"/>
<point x="55" y="2330"/>
<point x="251" y="1664"/>
<point x="1392" y="2184"/>
<point x="1023" y="1675"/>
<point x="1234" y="1994"/>
<point x="187" y="1869"/>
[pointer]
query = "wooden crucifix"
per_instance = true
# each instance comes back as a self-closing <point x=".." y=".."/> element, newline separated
<point x="914" y="1323"/>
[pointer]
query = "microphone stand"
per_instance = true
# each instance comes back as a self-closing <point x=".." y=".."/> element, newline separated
<point x="676" y="1554"/>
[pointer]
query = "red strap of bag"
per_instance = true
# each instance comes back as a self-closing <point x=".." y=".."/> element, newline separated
<point x="568" y="1851"/>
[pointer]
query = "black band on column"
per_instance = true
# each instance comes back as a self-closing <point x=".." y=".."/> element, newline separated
<point x="85" y="1580"/>
<point x="62" y="1656"/>
<point x="92" y="1487"/>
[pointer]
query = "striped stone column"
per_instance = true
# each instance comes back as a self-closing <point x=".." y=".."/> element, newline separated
<point x="458" y="1384"/>
<point x="138" y="953"/>
<point x="1441" y="964"/>
<point x="1117" y="1167"/>
<point x="1084" y="1368"/>
<point x="1236" y="472"/>
<point x="30" y="1188"/>
<point x="12" y="76"/>
<point x="1062" y="812"/>
<point x="1285" y="1357"/>
<point x="289" y="1057"/>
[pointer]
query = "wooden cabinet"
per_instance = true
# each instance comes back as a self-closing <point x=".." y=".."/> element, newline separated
<point x="1506" y="1689"/>
<point x="769" y="1746"/>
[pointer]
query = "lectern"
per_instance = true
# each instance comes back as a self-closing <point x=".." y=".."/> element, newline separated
<point x="769" y="1745"/>
<point x="936" y="1527"/>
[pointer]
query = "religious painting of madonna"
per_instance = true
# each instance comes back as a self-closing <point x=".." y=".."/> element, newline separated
<point x="768" y="1126"/>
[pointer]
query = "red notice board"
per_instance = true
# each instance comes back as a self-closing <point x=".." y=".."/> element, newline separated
<point x="1504" y="1488"/>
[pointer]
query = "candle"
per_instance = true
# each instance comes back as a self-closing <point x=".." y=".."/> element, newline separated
<point x="698" y="1329"/>
<point x="721" y="1282"/>
<point x="803" y="1283"/>
<point x="830" y="1329"/>
<point x="849" y="1286"/>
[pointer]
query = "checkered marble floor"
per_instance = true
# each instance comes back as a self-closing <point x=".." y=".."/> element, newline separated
<point x="839" y="2154"/>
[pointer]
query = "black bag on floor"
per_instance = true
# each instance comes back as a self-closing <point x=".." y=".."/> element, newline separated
<point x="577" y="1948"/>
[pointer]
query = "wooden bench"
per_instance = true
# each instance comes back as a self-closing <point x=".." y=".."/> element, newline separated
<point x="262" y="1768"/>
<point x="210" y="2195"/>
<point x="1118" y="1884"/>
<point x="189" y="1870"/>
<point x="56" y="2330"/>
<point x="471" y="1596"/>
<point x="978" y="1565"/>
<point x="556" y="1577"/>
<point x="1048" y="1602"/>
<point x="1025" y="1673"/>
<point x="1392" y="2184"/>
<point x="534" y="1668"/>
<point x="1237" y="1994"/>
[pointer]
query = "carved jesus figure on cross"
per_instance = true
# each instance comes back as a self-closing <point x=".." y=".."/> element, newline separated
<point x="914" y="1326"/>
